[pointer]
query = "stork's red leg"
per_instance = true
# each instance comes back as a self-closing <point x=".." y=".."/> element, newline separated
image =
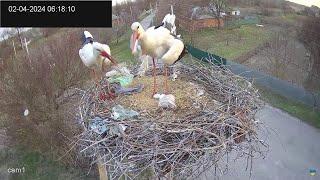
<point x="154" y="77"/>
<point x="166" y="78"/>
<point x="94" y="75"/>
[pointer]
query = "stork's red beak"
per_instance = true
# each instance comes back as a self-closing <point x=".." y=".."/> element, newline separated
<point x="106" y="55"/>
<point x="134" y="42"/>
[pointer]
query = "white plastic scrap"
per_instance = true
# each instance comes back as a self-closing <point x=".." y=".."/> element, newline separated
<point x="118" y="71"/>
<point x="26" y="112"/>
<point x="174" y="76"/>
<point x="120" y="113"/>
<point x="200" y="92"/>
<point x="144" y="66"/>
<point x="112" y="73"/>
<point x="117" y="129"/>
<point x="166" y="101"/>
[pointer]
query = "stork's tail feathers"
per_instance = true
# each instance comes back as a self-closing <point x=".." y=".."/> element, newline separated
<point x="183" y="53"/>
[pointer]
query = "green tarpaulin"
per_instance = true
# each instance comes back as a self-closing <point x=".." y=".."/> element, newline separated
<point x="205" y="56"/>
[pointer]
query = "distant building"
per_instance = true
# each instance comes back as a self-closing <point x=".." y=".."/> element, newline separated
<point x="198" y="12"/>
<point x="190" y="16"/>
<point x="202" y="17"/>
<point x="235" y="12"/>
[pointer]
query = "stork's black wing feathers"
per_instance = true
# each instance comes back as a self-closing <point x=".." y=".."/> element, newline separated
<point x="156" y="27"/>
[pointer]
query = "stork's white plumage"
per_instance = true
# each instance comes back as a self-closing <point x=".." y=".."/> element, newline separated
<point x="169" y="23"/>
<point x="91" y="57"/>
<point x="95" y="55"/>
<point x="158" y="43"/>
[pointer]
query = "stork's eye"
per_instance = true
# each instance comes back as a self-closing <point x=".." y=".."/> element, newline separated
<point x="138" y="27"/>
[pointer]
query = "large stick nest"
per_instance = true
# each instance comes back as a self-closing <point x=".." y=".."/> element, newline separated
<point x="185" y="141"/>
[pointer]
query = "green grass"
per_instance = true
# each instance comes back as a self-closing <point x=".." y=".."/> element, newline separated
<point x="297" y="109"/>
<point x="121" y="50"/>
<point x="240" y="40"/>
<point x="36" y="166"/>
<point x="290" y="17"/>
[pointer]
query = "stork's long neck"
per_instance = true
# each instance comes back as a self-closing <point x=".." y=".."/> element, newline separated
<point x="141" y="33"/>
<point x="142" y="36"/>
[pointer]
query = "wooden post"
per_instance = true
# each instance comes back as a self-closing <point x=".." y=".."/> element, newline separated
<point x="103" y="175"/>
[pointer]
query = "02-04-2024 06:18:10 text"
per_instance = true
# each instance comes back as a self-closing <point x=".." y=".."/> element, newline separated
<point x="41" y="9"/>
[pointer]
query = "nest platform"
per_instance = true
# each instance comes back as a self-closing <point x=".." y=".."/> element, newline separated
<point x="215" y="115"/>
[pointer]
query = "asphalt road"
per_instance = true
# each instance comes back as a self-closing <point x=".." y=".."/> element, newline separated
<point x="294" y="150"/>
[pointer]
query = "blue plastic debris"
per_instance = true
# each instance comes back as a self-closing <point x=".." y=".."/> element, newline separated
<point x="98" y="125"/>
<point x="127" y="91"/>
<point x="120" y="113"/>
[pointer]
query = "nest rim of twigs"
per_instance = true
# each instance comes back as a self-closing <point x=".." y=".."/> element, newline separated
<point x="184" y="145"/>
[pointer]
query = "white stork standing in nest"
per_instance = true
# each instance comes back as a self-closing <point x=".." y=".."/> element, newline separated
<point x="169" y="22"/>
<point x="158" y="43"/>
<point x="94" y="55"/>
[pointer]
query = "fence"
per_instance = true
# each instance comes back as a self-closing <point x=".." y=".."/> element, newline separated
<point x="271" y="83"/>
<point x="202" y="55"/>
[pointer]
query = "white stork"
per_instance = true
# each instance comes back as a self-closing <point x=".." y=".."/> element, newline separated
<point x="169" y="23"/>
<point x="94" y="55"/>
<point x="157" y="43"/>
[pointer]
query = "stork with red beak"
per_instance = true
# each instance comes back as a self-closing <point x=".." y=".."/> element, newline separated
<point x="158" y="43"/>
<point x="94" y="55"/>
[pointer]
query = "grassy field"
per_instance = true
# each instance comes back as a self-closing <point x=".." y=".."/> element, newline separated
<point x="229" y="43"/>
<point x="121" y="50"/>
<point x="36" y="166"/>
<point x="294" y="108"/>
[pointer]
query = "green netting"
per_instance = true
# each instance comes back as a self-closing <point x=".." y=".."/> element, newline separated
<point x="205" y="56"/>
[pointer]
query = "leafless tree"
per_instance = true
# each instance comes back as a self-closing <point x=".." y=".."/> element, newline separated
<point x="20" y="37"/>
<point x="41" y="88"/>
<point x="217" y="7"/>
<point x="309" y="35"/>
<point x="276" y="55"/>
<point x="48" y="31"/>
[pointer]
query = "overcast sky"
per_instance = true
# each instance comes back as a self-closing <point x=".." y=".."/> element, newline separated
<point x="307" y="2"/>
<point x="303" y="2"/>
